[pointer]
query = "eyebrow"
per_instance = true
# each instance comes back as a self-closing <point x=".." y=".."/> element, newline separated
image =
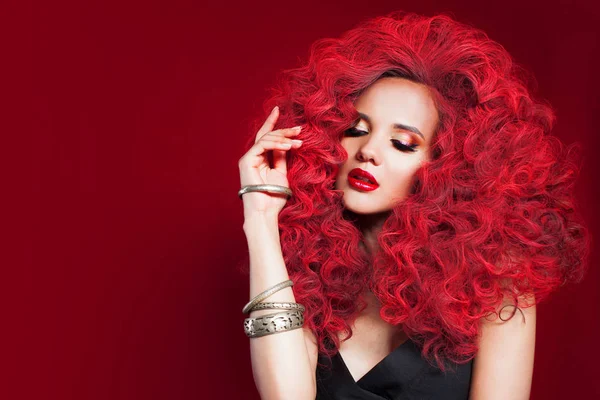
<point x="396" y="126"/>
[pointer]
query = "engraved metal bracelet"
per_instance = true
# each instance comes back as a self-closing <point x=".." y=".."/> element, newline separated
<point x="278" y="306"/>
<point x="273" y="323"/>
<point x="260" y="297"/>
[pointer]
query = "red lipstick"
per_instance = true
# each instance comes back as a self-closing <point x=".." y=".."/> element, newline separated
<point x="362" y="180"/>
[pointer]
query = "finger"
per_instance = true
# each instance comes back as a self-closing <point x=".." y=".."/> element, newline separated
<point x="277" y="137"/>
<point x="269" y="124"/>
<point x="284" y="132"/>
<point x="279" y="161"/>
<point x="264" y="145"/>
<point x="279" y="157"/>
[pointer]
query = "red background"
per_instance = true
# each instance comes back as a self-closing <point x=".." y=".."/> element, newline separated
<point x="130" y="288"/>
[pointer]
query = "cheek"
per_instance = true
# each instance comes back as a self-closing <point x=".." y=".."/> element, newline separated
<point x="344" y="166"/>
<point x="341" y="171"/>
<point x="402" y="176"/>
<point x="346" y="146"/>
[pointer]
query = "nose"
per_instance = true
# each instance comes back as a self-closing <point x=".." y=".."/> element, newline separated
<point x="369" y="151"/>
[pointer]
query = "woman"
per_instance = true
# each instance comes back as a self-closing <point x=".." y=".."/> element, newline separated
<point x="423" y="216"/>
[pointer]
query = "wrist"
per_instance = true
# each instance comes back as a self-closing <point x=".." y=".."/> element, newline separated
<point x="254" y="218"/>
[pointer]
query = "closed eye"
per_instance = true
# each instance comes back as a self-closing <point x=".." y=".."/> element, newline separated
<point x="354" y="132"/>
<point x="404" y="147"/>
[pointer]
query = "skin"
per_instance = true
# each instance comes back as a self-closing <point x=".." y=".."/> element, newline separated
<point x="371" y="147"/>
<point x="503" y="365"/>
<point x="375" y="145"/>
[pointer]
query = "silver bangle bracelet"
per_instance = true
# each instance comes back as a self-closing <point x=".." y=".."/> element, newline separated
<point x="277" y="189"/>
<point x="260" y="297"/>
<point x="273" y="323"/>
<point x="278" y="306"/>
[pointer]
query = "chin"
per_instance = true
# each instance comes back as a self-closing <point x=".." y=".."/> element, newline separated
<point x="362" y="208"/>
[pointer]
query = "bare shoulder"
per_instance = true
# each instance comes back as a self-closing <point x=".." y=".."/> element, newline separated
<point x="503" y="365"/>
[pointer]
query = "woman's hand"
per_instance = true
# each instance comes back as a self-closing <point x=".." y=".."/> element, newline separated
<point x="255" y="169"/>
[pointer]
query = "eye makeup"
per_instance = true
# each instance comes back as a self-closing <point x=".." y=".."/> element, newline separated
<point x="405" y="147"/>
<point x="400" y="145"/>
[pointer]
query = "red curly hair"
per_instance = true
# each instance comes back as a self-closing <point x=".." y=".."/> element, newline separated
<point x="490" y="217"/>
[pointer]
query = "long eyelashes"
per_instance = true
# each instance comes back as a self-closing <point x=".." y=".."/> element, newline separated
<point x="404" y="147"/>
<point x="353" y="132"/>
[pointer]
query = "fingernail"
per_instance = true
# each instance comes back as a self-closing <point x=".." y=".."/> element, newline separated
<point x="274" y="108"/>
<point x="297" y="128"/>
<point x="296" y="141"/>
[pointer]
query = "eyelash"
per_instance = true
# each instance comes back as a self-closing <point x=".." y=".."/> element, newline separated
<point x="397" y="144"/>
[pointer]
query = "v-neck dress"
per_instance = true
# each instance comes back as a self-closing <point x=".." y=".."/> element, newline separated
<point x="401" y="375"/>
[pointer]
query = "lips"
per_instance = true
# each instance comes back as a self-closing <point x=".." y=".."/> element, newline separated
<point x="362" y="180"/>
<point x="361" y="174"/>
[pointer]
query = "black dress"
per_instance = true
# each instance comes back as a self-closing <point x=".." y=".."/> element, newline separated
<point x="401" y="375"/>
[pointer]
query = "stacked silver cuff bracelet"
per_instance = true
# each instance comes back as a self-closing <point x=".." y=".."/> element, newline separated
<point x="260" y="297"/>
<point x="273" y="323"/>
<point x="278" y="306"/>
<point x="292" y="318"/>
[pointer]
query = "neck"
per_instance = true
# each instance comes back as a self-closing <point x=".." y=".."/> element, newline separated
<point x="370" y="225"/>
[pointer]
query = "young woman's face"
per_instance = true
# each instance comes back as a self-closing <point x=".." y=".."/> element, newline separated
<point x="391" y="140"/>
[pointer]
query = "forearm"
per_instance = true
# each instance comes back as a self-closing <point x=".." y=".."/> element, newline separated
<point x="280" y="362"/>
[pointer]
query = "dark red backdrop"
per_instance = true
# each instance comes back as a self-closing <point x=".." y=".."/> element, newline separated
<point x="140" y="111"/>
